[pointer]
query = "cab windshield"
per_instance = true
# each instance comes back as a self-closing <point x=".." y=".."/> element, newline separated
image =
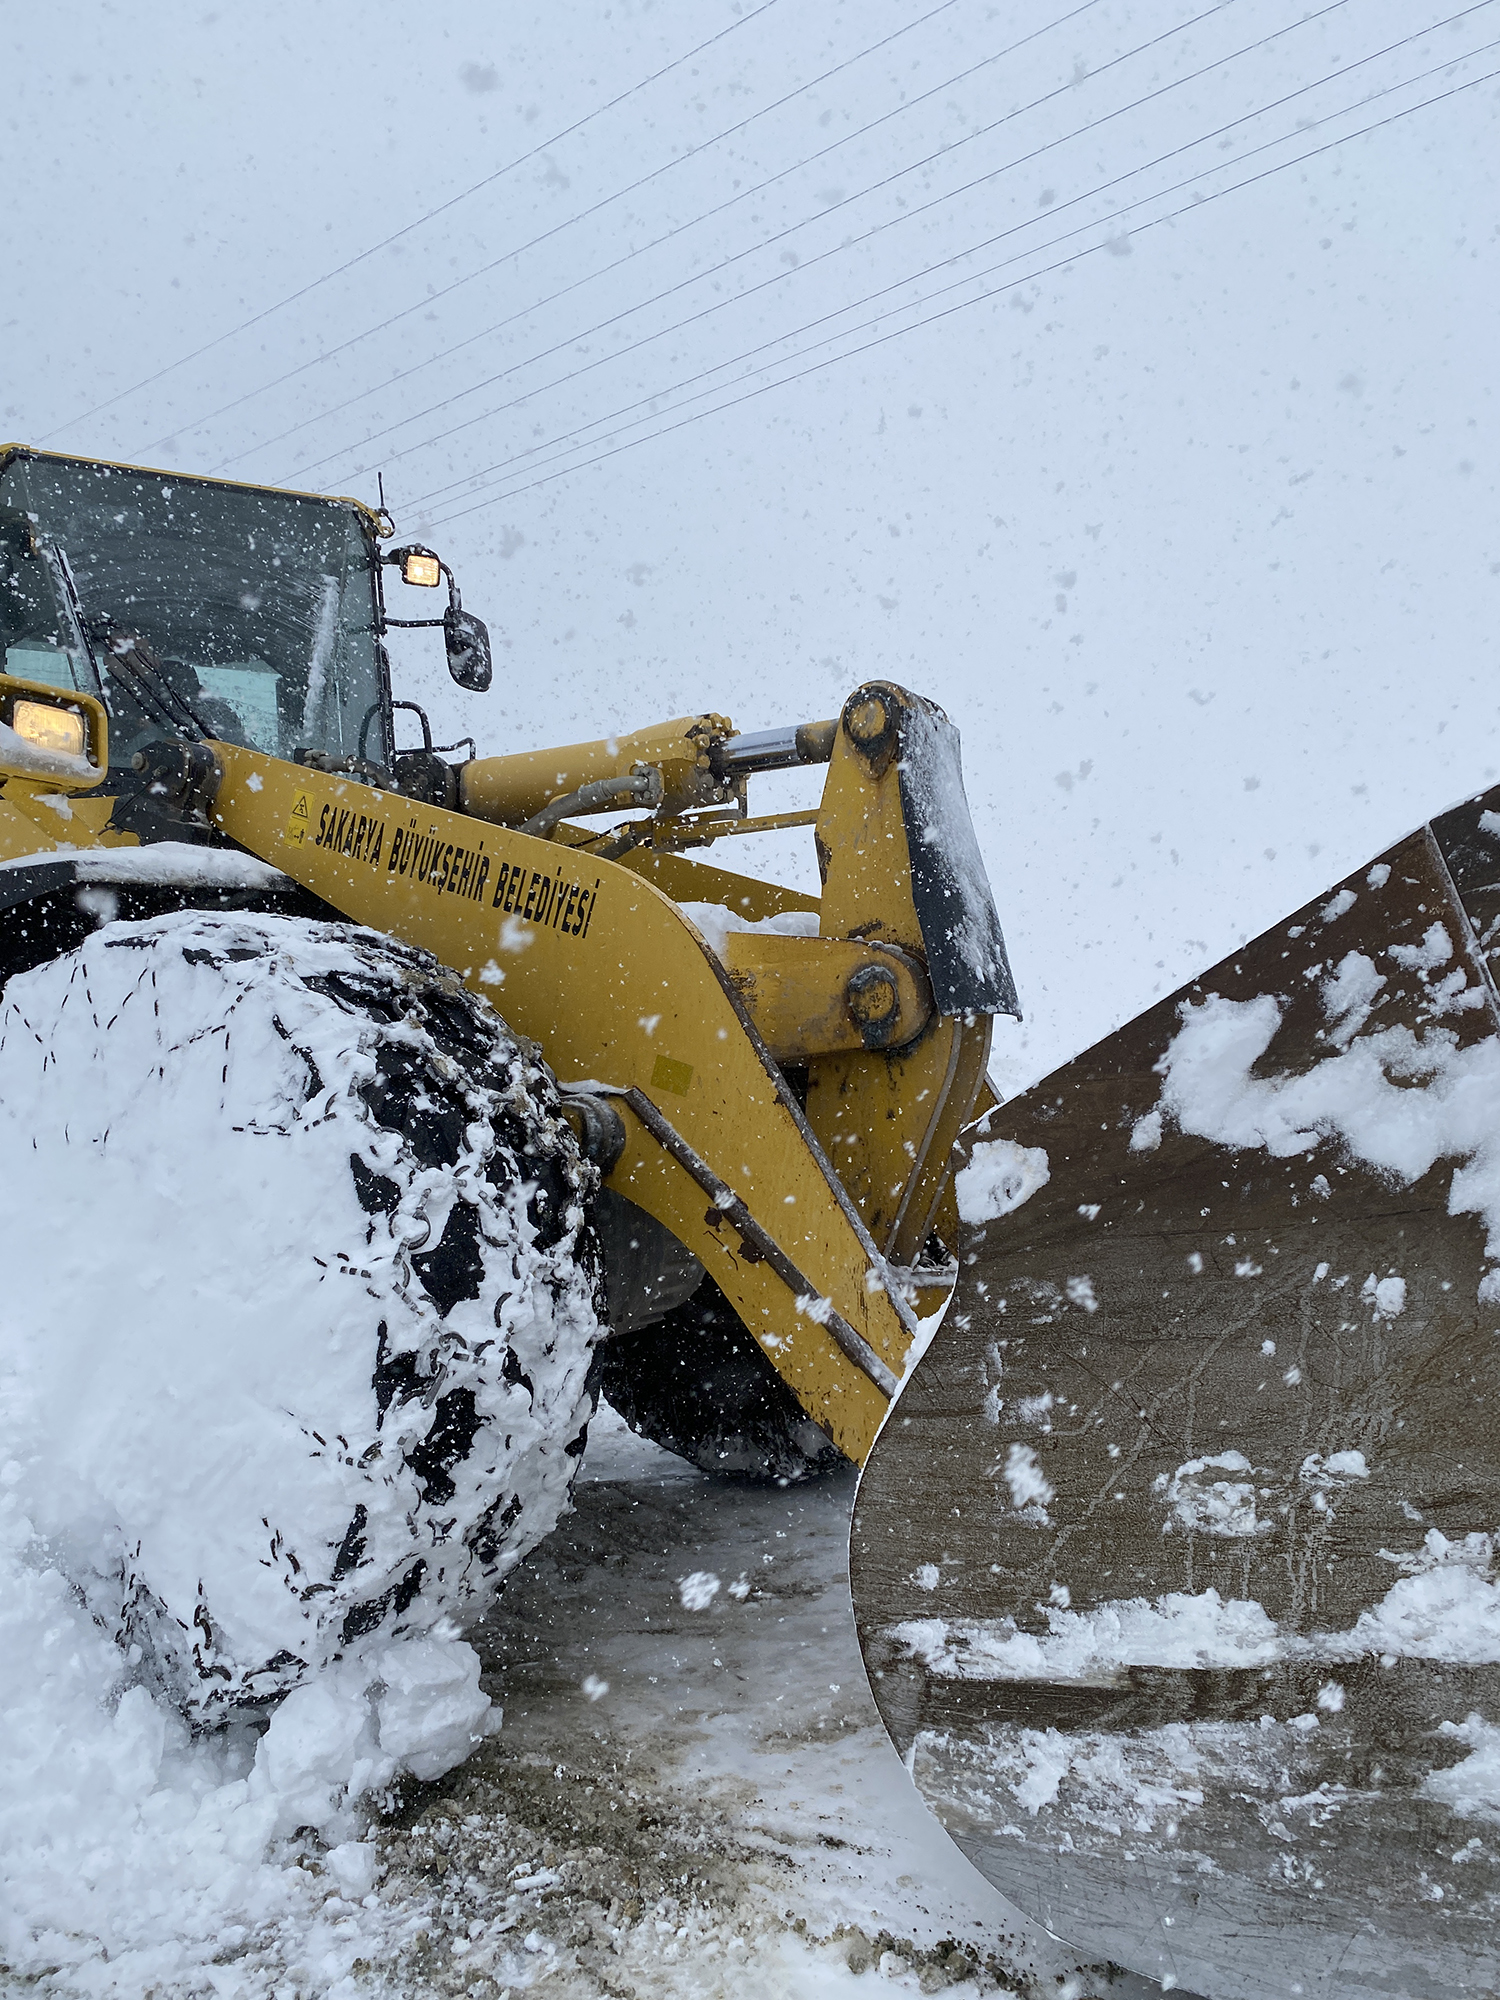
<point x="260" y="606"/>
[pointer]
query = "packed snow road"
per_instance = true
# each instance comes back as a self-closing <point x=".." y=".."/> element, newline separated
<point x="691" y="1792"/>
<point x="679" y="1802"/>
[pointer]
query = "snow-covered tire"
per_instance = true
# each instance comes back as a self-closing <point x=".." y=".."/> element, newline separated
<point x="696" y="1382"/>
<point x="301" y="1295"/>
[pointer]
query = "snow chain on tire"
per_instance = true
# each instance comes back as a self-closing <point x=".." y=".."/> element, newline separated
<point x="317" y="1364"/>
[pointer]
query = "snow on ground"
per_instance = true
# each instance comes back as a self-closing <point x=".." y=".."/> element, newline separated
<point x="678" y="1803"/>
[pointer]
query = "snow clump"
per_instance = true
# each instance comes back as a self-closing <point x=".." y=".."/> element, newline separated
<point x="1202" y="1504"/>
<point x="1398" y="1102"/>
<point x="1031" y="1492"/>
<point x="698" y="1590"/>
<point x="999" y="1176"/>
<point x="1386" y="1295"/>
<point x="1145" y="1133"/>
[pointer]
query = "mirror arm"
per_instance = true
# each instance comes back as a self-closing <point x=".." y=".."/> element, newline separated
<point x="465" y="638"/>
<point x="393" y="558"/>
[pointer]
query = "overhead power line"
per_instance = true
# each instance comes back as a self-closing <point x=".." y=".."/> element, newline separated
<point x="948" y="312"/>
<point x="810" y="263"/>
<point x="780" y="277"/>
<point x="629" y="257"/>
<point x="519" y="250"/>
<point x="406" y="229"/>
<point x="565" y="443"/>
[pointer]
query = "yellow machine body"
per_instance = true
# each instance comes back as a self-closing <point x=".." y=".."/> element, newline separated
<point x="785" y="1105"/>
<point x="595" y="960"/>
<point x="789" y="1108"/>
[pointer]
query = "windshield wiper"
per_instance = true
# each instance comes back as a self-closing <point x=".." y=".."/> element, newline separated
<point x="130" y="659"/>
<point x="136" y="665"/>
<point x="65" y="597"/>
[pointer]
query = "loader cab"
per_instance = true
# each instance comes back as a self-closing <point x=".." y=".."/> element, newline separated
<point x="262" y="607"/>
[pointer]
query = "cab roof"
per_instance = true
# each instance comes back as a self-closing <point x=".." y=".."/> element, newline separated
<point x="377" y="520"/>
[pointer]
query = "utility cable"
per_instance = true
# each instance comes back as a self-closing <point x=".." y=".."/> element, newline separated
<point x="431" y="299"/>
<point x="948" y="312"/>
<point x="315" y="284"/>
<point x="745" y="194"/>
<point x="700" y="277"/>
<point x="574" y="437"/>
<point x="810" y="263"/>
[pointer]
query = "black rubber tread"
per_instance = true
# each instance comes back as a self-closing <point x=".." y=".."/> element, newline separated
<point x="697" y="1383"/>
<point x="45" y="911"/>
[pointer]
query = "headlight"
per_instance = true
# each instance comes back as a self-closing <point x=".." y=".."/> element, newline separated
<point x="419" y="567"/>
<point x="58" y="731"/>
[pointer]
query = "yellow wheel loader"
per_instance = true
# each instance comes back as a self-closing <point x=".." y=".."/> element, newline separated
<point x="456" y="1108"/>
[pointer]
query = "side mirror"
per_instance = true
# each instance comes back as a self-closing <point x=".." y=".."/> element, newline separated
<point x="465" y="637"/>
<point x="467" y="641"/>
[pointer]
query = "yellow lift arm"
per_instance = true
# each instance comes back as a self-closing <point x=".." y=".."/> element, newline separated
<point x="812" y="1220"/>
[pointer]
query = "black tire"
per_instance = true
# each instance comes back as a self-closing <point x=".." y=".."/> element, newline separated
<point x="697" y="1383"/>
<point x="317" y="1369"/>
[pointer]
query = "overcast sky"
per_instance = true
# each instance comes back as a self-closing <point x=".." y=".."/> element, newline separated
<point x="1190" y="522"/>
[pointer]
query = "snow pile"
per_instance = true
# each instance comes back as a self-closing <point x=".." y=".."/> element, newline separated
<point x="997" y="1178"/>
<point x="1446" y="1607"/>
<point x="133" y="1855"/>
<point x="716" y="921"/>
<point x="1398" y="1101"/>
<point x="293" y="1371"/>
<point x="1471" y="1789"/>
